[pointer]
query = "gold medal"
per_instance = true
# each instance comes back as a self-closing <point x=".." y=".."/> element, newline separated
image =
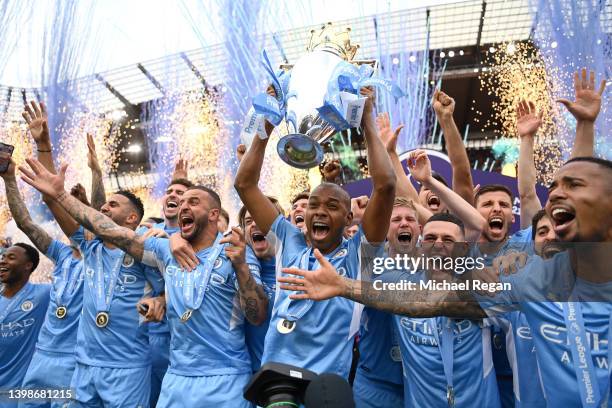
<point x="102" y="319"/>
<point x="61" y="312"/>
<point x="186" y="316"/>
<point x="285" y="326"/>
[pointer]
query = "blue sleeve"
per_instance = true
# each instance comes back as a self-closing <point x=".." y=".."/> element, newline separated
<point x="58" y="251"/>
<point x="157" y="253"/>
<point x="365" y="253"/>
<point x="290" y="237"/>
<point x="527" y="284"/>
<point x="78" y="238"/>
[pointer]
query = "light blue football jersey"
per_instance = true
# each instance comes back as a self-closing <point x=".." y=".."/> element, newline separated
<point x="520" y="347"/>
<point x="425" y="383"/>
<point x="124" y="342"/>
<point x="540" y="290"/>
<point x="211" y="341"/>
<point x="60" y="335"/>
<point x="322" y="339"/>
<point x="21" y="318"/>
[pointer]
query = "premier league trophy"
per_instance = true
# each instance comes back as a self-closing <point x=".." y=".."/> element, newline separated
<point x="317" y="96"/>
<point x="308" y="87"/>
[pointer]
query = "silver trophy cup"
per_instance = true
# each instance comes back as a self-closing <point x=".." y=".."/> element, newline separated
<point x="310" y="76"/>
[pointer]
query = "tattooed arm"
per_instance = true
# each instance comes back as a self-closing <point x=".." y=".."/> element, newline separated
<point x="414" y="303"/>
<point x="253" y="299"/>
<point x="53" y="186"/>
<point x="325" y="283"/>
<point x="20" y="213"/>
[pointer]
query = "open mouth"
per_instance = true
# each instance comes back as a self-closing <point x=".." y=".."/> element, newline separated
<point x="3" y="272"/>
<point x="258" y="237"/>
<point x="319" y="230"/>
<point x="562" y="218"/>
<point x="259" y="241"/>
<point x="186" y="222"/>
<point x="552" y="248"/>
<point x="404" y="237"/>
<point x="433" y="202"/>
<point x="299" y="219"/>
<point x="496" y="224"/>
<point x="171" y="204"/>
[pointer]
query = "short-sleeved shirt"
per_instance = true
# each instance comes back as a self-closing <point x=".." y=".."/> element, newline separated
<point x="23" y="316"/>
<point x="538" y="291"/>
<point x="322" y="339"/>
<point x="211" y="341"/>
<point x="60" y="335"/>
<point x="124" y="342"/>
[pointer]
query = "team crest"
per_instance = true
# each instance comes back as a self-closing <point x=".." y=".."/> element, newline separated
<point x="340" y="253"/>
<point x="395" y="354"/>
<point x="89" y="272"/>
<point x="128" y="261"/>
<point x="218" y="263"/>
<point x="27" y="306"/>
<point x="342" y="271"/>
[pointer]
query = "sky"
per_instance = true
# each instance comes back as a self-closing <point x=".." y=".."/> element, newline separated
<point x="125" y="32"/>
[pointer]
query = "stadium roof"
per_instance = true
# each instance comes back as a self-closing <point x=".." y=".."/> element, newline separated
<point x="463" y="24"/>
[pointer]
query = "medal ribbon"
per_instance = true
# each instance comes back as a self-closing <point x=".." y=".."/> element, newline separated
<point x="103" y="300"/>
<point x="63" y="283"/>
<point x="446" y="351"/>
<point x="293" y="309"/>
<point x="192" y="302"/>
<point x="580" y="348"/>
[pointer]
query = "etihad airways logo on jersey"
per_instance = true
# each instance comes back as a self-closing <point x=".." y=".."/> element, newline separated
<point x="558" y="335"/>
<point x="420" y="331"/>
<point x="15" y="328"/>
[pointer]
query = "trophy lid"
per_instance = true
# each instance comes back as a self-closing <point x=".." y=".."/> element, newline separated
<point x="336" y="41"/>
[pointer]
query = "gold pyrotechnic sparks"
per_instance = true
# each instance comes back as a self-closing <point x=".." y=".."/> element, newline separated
<point x="73" y="146"/>
<point x="517" y="71"/>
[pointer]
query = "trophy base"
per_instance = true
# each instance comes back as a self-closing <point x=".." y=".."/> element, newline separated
<point x="301" y="151"/>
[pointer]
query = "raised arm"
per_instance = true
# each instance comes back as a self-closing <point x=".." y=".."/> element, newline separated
<point x="19" y="211"/>
<point x="98" y="195"/>
<point x="420" y="168"/>
<point x="377" y="214"/>
<point x="52" y="185"/>
<point x="253" y="299"/>
<point x="403" y="186"/>
<point x="326" y="283"/>
<point x="527" y="124"/>
<point x="444" y="106"/>
<point x="35" y="116"/>
<point x="246" y="184"/>
<point x="585" y="109"/>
